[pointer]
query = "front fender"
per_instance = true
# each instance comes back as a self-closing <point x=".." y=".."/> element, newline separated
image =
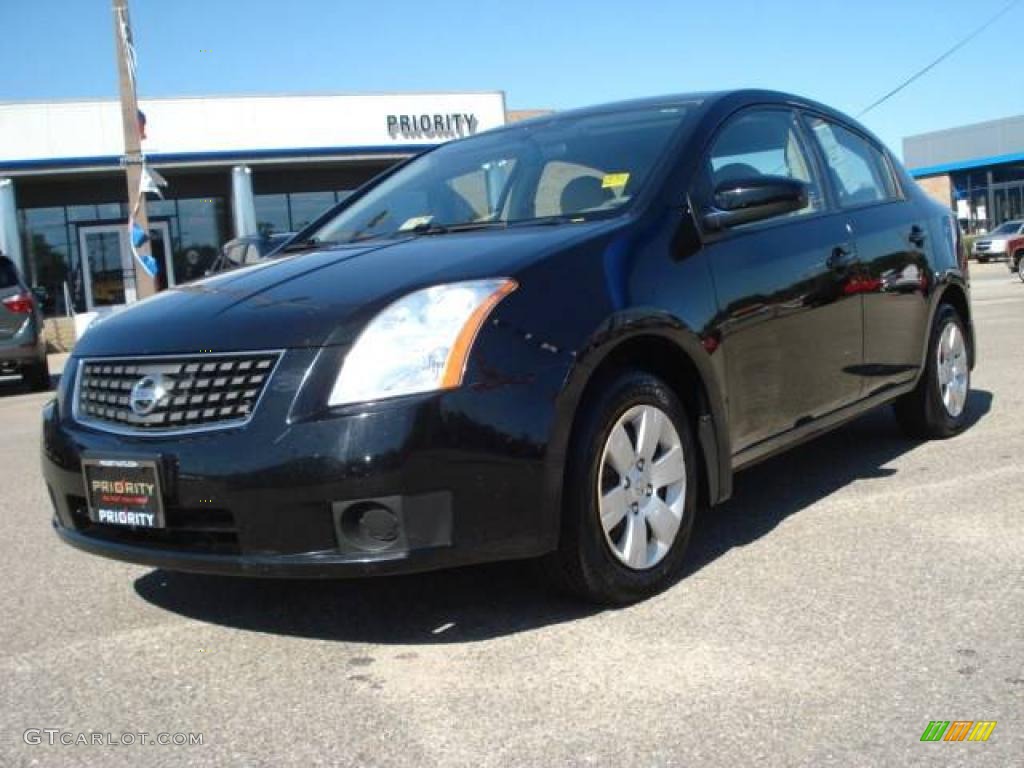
<point x="631" y="327"/>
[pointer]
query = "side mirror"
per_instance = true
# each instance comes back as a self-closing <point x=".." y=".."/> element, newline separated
<point x="742" y="201"/>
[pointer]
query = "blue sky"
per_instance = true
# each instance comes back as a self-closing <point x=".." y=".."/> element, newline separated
<point x="542" y="54"/>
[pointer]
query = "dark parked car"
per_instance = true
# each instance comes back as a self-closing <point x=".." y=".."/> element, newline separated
<point x="555" y="340"/>
<point x="248" y="250"/>
<point x="22" y="348"/>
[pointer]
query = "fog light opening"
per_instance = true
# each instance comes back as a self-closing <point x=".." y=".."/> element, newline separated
<point x="370" y="526"/>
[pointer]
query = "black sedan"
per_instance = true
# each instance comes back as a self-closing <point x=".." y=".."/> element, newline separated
<point x="555" y="340"/>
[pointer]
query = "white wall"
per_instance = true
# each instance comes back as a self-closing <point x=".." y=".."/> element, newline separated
<point x="38" y="131"/>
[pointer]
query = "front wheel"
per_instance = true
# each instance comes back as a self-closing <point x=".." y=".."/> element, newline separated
<point x="937" y="408"/>
<point x="631" y="492"/>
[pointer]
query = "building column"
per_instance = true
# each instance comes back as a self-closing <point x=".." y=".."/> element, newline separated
<point x="990" y="217"/>
<point x="243" y="203"/>
<point x="10" y="239"/>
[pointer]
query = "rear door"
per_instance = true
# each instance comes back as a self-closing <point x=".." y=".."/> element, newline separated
<point x="792" y="338"/>
<point x="891" y="236"/>
<point x="10" y="285"/>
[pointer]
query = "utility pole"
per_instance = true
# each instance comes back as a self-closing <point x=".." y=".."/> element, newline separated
<point x="145" y="282"/>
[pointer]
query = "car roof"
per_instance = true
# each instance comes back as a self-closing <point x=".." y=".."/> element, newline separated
<point x="705" y="98"/>
<point x="736" y="99"/>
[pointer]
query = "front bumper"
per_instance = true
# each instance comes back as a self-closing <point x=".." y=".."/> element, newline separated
<point x="466" y="474"/>
<point x="993" y="250"/>
<point x="23" y="348"/>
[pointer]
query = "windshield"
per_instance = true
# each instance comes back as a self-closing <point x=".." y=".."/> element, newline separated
<point x="574" y="167"/>
<point x="1009" y="228"/>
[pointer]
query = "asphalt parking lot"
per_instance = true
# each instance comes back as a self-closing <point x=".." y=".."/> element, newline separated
<point x="851" y="592"/>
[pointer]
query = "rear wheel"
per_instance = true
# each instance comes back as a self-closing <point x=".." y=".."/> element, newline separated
<point x="630" y="494"/>
<point x="937" y="408"/>
<point x="37" y="375"/>
<point x="1019" y="259"/>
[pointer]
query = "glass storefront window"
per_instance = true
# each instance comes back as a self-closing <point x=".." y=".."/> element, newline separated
<point x="51" y="248"/>
<point x="307" y="206"/>
<point x="999" y="205"/>
<point x="290" y="212"/>
<point x="1004" y="173"/>
<point x="48" y="255"/>
<point x="200" y="235"/>
<point x="272" y="214"/>
<point x="101" y="212"/>
<point x="197" y="228"/>
<point x="1015" y="197"/>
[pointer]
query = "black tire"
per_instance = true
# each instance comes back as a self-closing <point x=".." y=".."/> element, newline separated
<point x="983" y="260"/>
<point x="922" y="413"/>
<point x="584" y="563"/>
<point x="37" y="375"/>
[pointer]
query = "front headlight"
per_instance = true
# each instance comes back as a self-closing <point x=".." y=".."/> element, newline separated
<point x="418" y="344"/>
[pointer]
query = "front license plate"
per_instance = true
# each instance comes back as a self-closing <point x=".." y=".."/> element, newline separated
<point x="124" y="492"/>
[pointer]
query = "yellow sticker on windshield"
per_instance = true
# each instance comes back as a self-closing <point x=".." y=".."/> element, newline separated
<point x="615" y="180"/>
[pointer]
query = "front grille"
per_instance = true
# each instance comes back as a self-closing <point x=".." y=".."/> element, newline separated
<point x="983" y="246"/>
<point x="155" y="395"/>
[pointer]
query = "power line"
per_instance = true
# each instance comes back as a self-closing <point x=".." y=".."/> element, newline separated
<point x="1006" y="9"/>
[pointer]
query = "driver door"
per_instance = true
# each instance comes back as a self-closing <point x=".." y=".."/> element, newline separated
<point x="791" y="328"/>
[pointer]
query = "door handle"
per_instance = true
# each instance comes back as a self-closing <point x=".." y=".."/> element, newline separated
<point x="840" y="257"/>
<point x="917" y="236"/>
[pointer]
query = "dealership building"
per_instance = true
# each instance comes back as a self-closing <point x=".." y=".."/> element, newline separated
<point x="233" y="166"/>
<point x="978" y="170"/>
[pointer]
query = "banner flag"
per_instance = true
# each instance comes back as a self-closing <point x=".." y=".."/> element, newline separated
<point x="129" y="46"/>
<point x="152" y="181"/>
<point x="138" y="238"/>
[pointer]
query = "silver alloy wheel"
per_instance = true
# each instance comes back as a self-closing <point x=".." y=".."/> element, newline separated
<point x="953" y="369"/>
<point x="642" y="487"/>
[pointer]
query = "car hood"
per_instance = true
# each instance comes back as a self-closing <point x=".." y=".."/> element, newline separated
<point x="998" y="238"/>
<point x="317" y="298"/>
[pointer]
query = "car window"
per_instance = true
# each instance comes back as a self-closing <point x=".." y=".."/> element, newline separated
<point x="1009" y="228"/>
<point x="8" y="274"/>
<point x="859" y="170"/>
<point x="764" y="142"/>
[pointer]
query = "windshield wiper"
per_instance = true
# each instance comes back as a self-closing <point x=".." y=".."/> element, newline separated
<point x="551" y="221"/>
<point x="306" y="245"/>
<point x="444" y="229"/>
